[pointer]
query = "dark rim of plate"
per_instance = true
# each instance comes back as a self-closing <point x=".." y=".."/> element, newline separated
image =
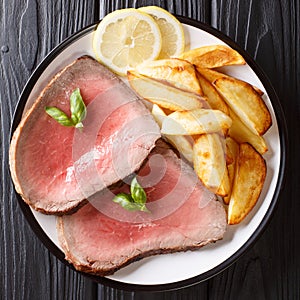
<point x="204" y="276"/>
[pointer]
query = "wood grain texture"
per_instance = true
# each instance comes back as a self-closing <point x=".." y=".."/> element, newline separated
<point x="199" y="10"/>
<point x="268" y="30"/>
<point x="29" y="30"/>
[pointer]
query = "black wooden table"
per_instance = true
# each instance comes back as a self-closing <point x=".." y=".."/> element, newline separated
<point x="269" y="30"/>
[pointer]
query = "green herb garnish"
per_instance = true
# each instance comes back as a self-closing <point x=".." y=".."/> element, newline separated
<point x="77" y="108"/>
<point x="136" y="200"/>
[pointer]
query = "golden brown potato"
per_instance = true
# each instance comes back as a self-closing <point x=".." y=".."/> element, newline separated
<point x="248" y="183"/>
<point x="214" y="99"/>
<point x="212" y="75"/>
<point x="210" y="163"/>
<point x="213" y="56"/>
<point x="197" y="121"/>
<point x="246" y="103"/>
<point x="229" y="167"/>
<point x="224" y="188"/>
<point x="180" y="142"/>
<point x="241" y="97"/>
<point x="177" y="72"/>
<point x="232" y="150"/>
<point x="258" y="90"/>
<point x="164" y="95"/>
<point x="242" y="134"/>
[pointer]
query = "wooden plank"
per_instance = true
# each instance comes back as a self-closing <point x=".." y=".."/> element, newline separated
<point x="198" y="10"/>
<point x="29" y="30"/>
<point x="269" y="31"/>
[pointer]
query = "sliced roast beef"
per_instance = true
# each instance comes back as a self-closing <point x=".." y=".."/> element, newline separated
<point x="102" y="237"/>
<point x="55" y="168"/>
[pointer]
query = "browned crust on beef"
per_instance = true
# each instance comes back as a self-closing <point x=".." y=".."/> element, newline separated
<point x="83" y="264"/>
<point x="91" y="269"/>
<point x="68" y="211"/>
<point x="74" y="205"/>
<point x="101" y="272"/>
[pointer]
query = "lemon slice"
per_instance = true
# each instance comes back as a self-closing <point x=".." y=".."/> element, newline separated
<point x="126" y="38"/>
<point x="171" y="29"/>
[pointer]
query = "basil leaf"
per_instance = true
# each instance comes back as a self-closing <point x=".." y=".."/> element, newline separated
<point x="59" y="116"/>
<point x="78" y="108"/>
<point x="79" y="125"/>
<point x="137" y="192"/>
<point x="126" y="201"/>
<point x="143" y="207"/>
<point x="134" y="201"/>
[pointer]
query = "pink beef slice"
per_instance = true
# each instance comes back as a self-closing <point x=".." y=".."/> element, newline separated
<point x="102" y="237"/>
<point x="56" y="168"/>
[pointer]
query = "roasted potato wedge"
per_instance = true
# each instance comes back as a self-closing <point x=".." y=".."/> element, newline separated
<point x="197" y="121"/>
<point x="214" y="99"/>
<point x="158" y="114"/>
<point x="232" y="150"/>
<point x="224" y="188"/>
<point x="242" y="134"/>
<point x="248" y="183"/>
<point x="246" y="103"/>
<point x="213" y="56"/>
<point x="164" y="95"/>
<point x="177" y="72"/>
<point x="238" y="130"/>
<point x="210" y="163"/>
<point x="212" y="75"/>
<point x="243" y="98"/>
<point x="180" y="142"/>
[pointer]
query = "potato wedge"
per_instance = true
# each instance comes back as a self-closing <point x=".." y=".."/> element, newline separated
<point x="158" y="114"/>
<point x="213" y="56"/>
<point x="210" y="163"/>
<point x="242" y="134"/>
<point x="177" y="72"/>
<point x="162" y="94"/>
<point x="197" y="121"/>
<point x="248" y="183"/>
<point x="246" y="103"/>
<point x="212" y="75"/>
<point x="214" y="99"/>
<point x="245" y="89"/>
<point x="232" y="150"/>
<point x="224" y="188"/>
<point x="180" y="142"/>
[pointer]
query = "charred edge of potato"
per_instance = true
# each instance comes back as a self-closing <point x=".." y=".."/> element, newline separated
<point x="213" y="56"/>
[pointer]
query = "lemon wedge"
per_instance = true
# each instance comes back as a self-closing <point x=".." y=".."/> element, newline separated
<point x="171" y="29"/>
<point x="126" y="38"/>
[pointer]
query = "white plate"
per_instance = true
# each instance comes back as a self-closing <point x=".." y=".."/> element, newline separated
<point x="179" y="269"/>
